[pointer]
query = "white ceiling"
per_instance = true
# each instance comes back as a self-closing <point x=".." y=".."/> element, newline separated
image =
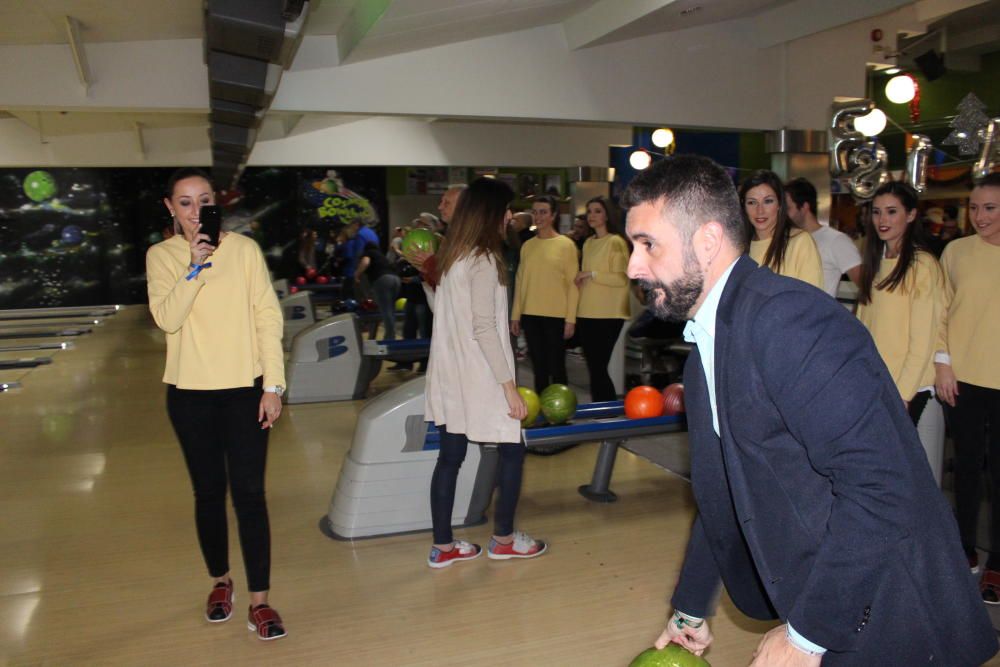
<point x="405" y="26"/>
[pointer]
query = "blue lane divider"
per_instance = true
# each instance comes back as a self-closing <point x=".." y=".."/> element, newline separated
<point x="610" y="412"/>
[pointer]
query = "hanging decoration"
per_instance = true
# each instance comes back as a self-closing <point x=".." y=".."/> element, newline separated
<point x="863" y="162"/>
<point x="916" y="162"/>
<point x="990" y="154"/>
<point x="915" y="103"/>
<point x="843" y="137"/>
<point x="967" y="125"/>
<point x="869" y="170"/>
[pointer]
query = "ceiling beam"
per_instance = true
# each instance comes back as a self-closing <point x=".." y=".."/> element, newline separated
<point x="76" y="48"/>
<point x="362" y="19"/>
<point x="138" y="137"/>
<point x="929" y="11"/>
<point x="795" y="20"/>
<point x="604" y="17"/>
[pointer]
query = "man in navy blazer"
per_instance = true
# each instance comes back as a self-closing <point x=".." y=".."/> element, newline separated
<point x="829" y="520"/>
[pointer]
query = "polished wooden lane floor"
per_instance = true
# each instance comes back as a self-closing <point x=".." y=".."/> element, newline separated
<point x="99" y="562"/>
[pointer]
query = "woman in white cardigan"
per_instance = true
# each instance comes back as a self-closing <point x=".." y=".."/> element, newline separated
<point x="471" y="393"/>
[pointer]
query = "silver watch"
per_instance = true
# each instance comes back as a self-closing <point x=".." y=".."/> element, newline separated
<point x="276" y="389"/>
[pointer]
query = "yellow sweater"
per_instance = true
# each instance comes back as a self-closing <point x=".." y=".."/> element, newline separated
<point x="802" y="258"/>
<point x="605" y="296"/>
<point x="224" y="327"/>
<point x="544" y="284"/>
<point x="903" y="322"/>
<point x="971" y="319"/>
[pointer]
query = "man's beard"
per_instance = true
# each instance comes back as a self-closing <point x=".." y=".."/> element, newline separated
<point x="675" y="300"/>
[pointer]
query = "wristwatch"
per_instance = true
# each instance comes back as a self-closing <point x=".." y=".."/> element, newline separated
<point x="276" y="389"/>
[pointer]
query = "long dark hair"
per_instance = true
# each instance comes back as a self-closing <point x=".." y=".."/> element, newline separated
<point x="611" y="212"/>
<point x="775" y="255"/>
<point x="911" y="243"/>
<point x="475" y="227"/>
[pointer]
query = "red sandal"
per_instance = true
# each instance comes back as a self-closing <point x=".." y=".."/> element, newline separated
<point x="220" y="602"/>
<point x="266" y="623"/>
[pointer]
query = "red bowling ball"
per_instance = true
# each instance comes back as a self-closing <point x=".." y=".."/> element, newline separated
<point x="673" y="399"/>
<point x="301" y="280"/>
<point x="293" y="290"/>
<point x="322" y="280"/>
<point x="643" y="402"/>
<point x="310" y="273"/>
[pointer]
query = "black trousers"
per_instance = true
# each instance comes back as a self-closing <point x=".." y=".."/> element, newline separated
<point x="454" y="447"/>
<point x="975" y="425"/>
<point x="546" y="349"/>
<point x="598" y="338"/>
<point x="224" y="446"/>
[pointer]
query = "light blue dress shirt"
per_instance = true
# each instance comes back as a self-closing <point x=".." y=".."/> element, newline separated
<point x="700" y="330"/>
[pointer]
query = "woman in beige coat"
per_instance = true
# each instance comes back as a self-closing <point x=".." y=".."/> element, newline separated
<point x="471" y="394"/>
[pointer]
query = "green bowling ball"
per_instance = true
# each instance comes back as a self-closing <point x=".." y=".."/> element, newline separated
<point x="39" y="186"/>
<point x="420" y="239"/>
<point x="672" y="655"/>
<point x="534" y="406"/>
<point x="558" y="403"/>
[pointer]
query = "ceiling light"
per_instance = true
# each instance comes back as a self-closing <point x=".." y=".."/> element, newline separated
<point x="900" y="89"/>
<point x="663" y="137"/>
<point x="871" y="123"/>
<point x="639" y="160"/>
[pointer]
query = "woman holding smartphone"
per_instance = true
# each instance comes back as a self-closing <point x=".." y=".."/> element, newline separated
<point x="471" y="394"/>
<point x="225" y="376"/>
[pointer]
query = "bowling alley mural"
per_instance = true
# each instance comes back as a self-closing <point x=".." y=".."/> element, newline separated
<point x="78" y="236"/>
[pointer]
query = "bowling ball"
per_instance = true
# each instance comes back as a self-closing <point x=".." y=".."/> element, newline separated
<point x="423" y="240"/>
<point x="337" y="306"/>
<point x="310" y="273"/>
<point x="350" y="305"/>
<point x="534" y="406"/>
<point x="301" y="280"/>
<point x="558" y="403"/>
<point x="369" y="306"/>
<point x="673" y="399"/>
<point x="401" y="303"/>
<point x="322" y="280"/>
<point x="643" y="402"/>
<point x="672" y="655"/>
<point x="39" y="186"/>
<point x="293" y="290"/>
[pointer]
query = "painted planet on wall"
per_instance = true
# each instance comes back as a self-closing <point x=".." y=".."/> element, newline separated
<point x="71" y="235"/>
<point x="39" y="186"/>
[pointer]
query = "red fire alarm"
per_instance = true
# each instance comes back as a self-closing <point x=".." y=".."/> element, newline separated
<point x="877" y="35"/>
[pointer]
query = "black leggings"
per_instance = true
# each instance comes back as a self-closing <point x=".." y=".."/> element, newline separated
<point x="975" y="424"/>
<point x="445" y="478"/>
<point x="598" y="338"/>
<point x="546" y="348"/>
<point x="224" y="445"/>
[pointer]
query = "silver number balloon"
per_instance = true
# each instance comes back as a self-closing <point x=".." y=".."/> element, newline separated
<point x="991" y="150"/>
<point x="869" y="170"/>
<point x="916" y="162"/>
<point x="842" y="137"/>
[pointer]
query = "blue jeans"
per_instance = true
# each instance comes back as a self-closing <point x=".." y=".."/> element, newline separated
<point x="445" y="479"/>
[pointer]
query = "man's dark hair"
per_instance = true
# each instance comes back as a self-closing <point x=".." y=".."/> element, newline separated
<point x="694" y="190"/>
<point x="547" y="199"/>
<point x="802" y="192"/>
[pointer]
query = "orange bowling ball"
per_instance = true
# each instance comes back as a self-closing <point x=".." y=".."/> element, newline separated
<point x="673" y="399"/>
<point x="643" y="402"/>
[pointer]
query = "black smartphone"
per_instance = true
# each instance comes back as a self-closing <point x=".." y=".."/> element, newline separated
<point x="210" y="218"/>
